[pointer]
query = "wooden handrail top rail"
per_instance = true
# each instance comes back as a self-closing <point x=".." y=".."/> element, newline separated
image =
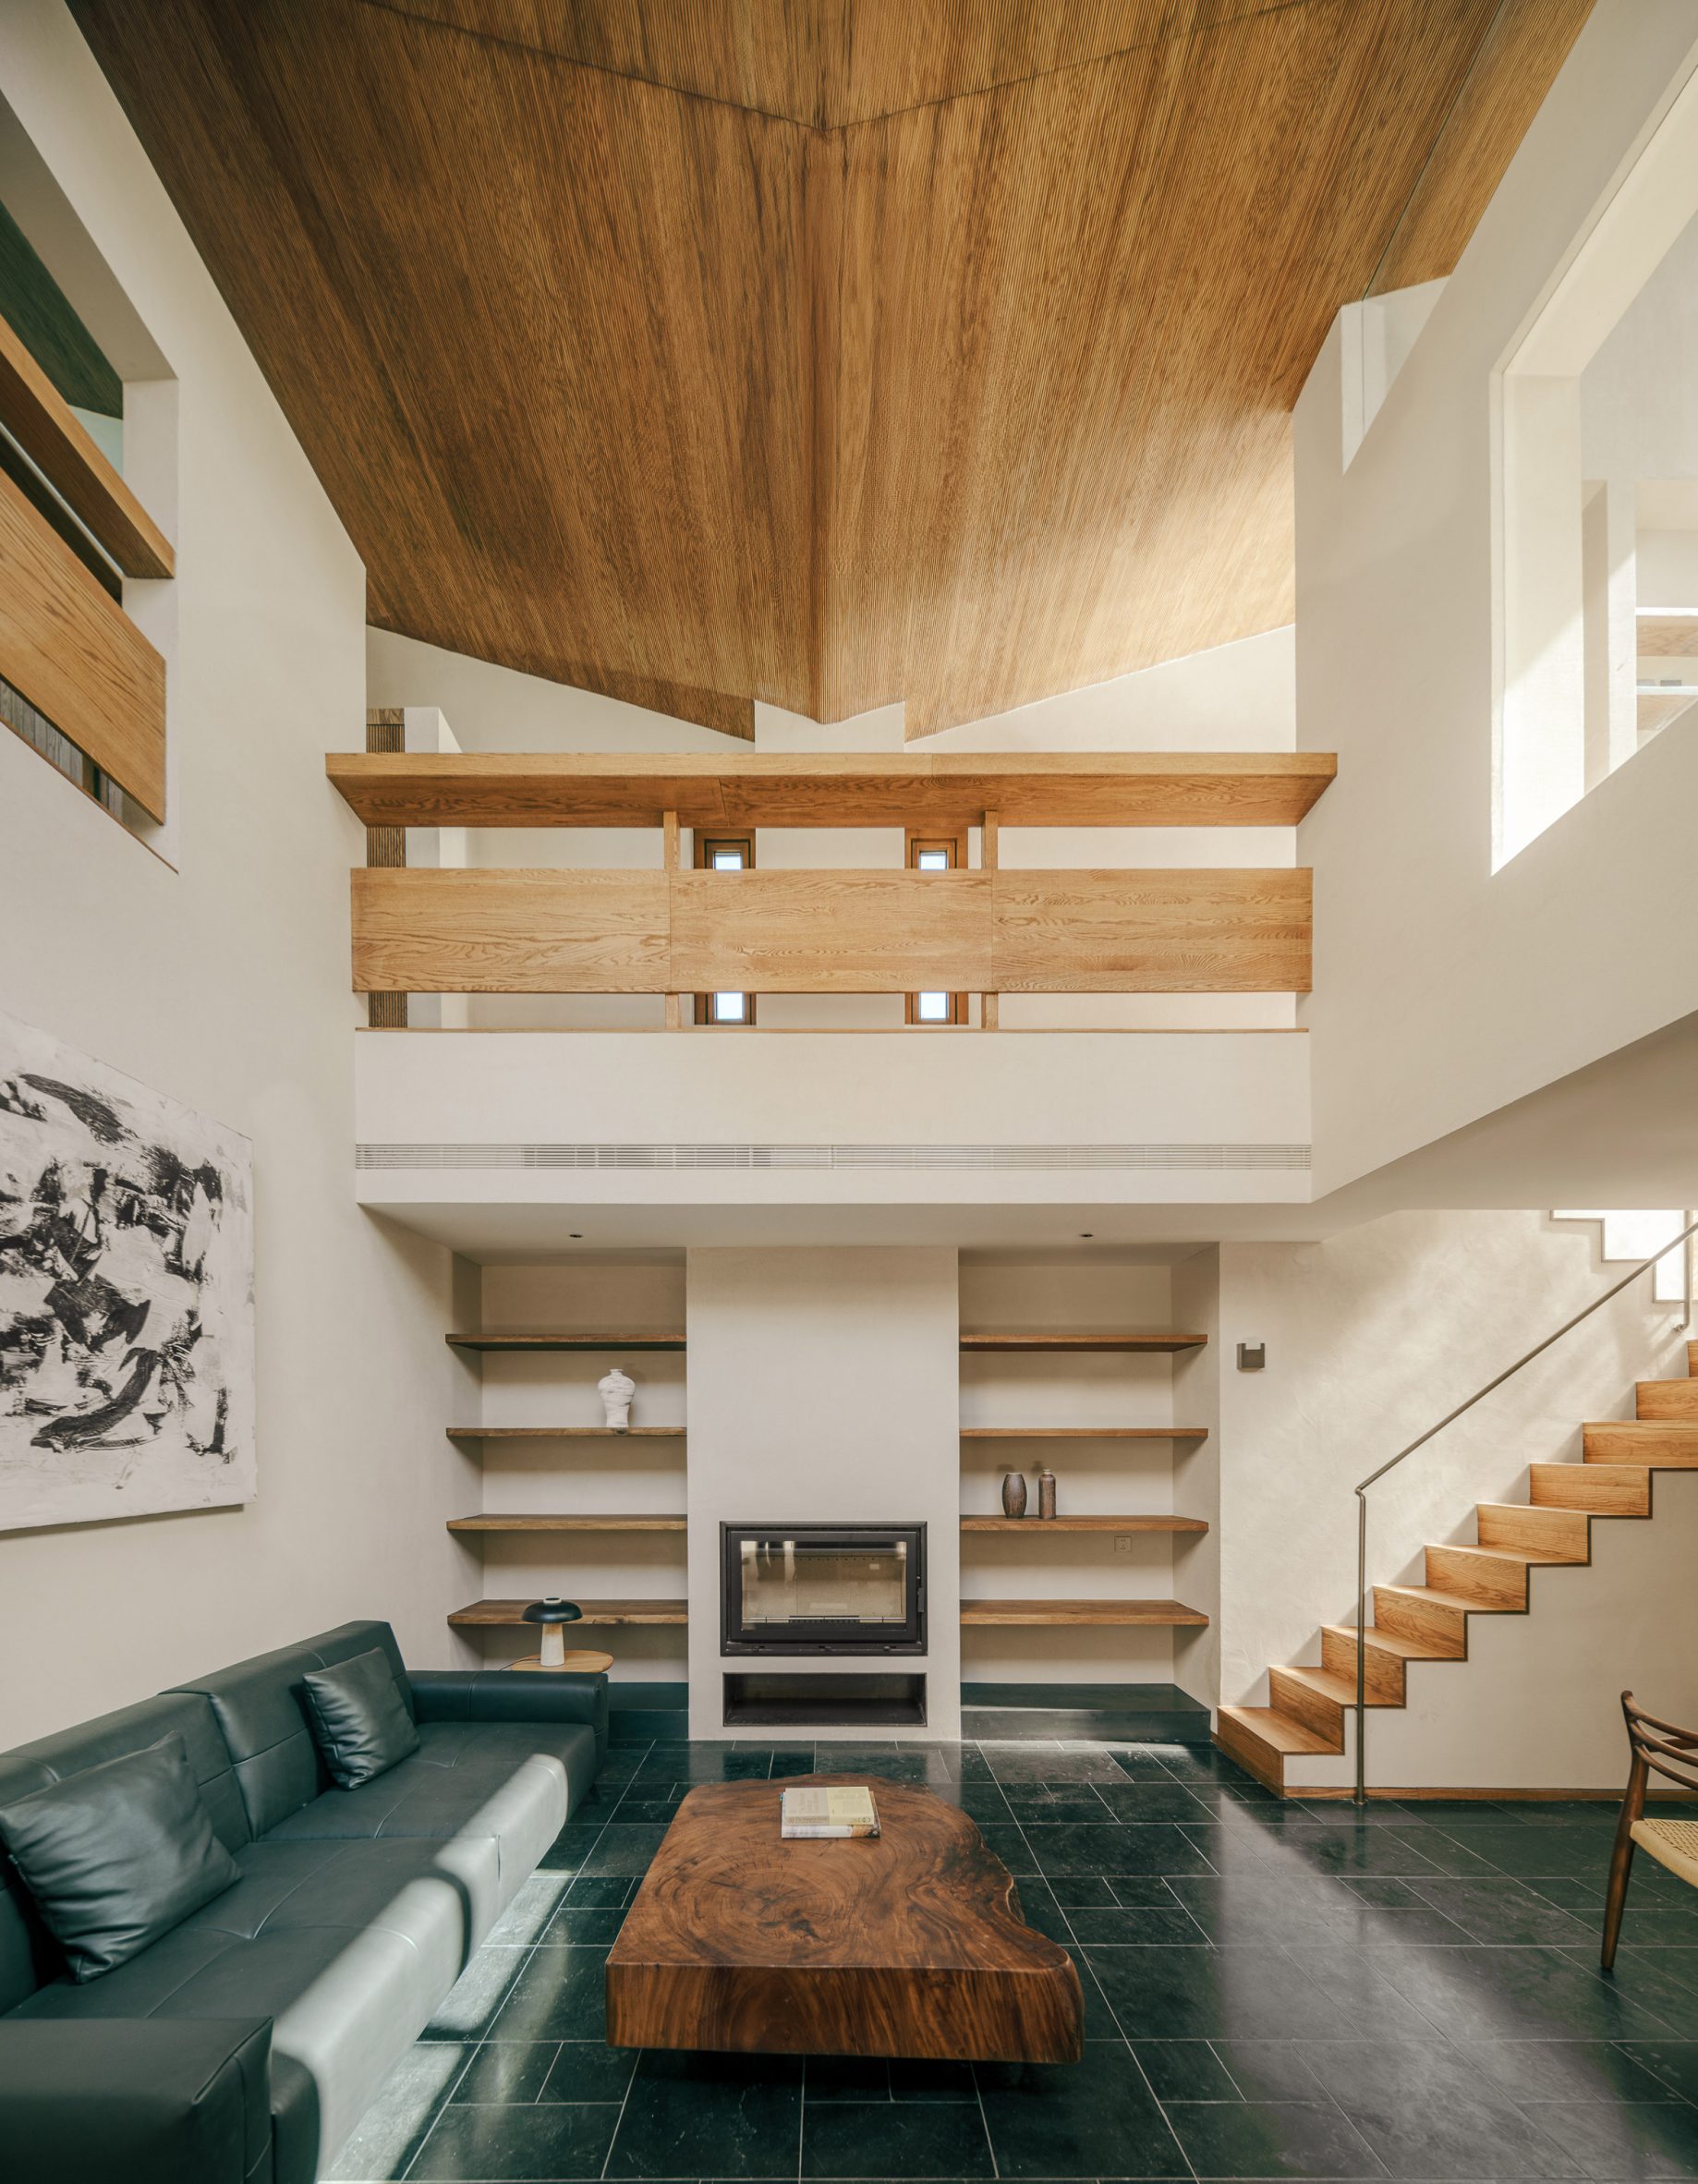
<point x="946" y="790"/>
<point x="42" y="423"/>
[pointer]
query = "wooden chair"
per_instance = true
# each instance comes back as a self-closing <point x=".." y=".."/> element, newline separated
<point x="1659" y="1747"/>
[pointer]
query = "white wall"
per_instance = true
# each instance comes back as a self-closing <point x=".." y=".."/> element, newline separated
<point x="1443" y="990"/>
<point x="221" y="982"/>
<point x="1371" y="1337"/>
<point x="822" y="1388"/>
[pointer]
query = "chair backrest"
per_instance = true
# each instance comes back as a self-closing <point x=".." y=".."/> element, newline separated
<point x="257" y="1704"/>
<point x="28" y="1958"/>
<point x="1665" y="1748"/>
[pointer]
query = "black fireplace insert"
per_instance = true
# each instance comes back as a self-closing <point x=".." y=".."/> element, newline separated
<point x="822" y="1588"/>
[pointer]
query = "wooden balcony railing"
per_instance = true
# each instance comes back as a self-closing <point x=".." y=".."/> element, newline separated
<point x="64" y="643"/>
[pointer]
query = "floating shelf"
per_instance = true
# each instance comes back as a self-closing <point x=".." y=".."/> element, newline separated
<point x="1076" y="1343"/>
<point x="1080" y="1524"/>
<point x="1171" y="1613"/>
<point x="565" y="1433"/>
<point x="1084" y="1433"/>
<point x="565" y="1341"/>
<point x="488" y="1615"/>
<point x="574" y="1523"/>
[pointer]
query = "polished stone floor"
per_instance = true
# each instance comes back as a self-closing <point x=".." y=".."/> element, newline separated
<point x="1271" y="1990"/>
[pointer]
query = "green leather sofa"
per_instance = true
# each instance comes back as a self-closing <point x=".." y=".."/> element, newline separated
<point x="244" y="2045"/>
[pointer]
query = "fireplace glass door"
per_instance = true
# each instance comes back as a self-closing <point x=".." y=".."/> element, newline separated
<point x="824" y="1588"/>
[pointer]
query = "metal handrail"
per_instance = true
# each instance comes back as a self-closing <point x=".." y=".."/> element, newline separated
<point x="1644" y="1265"/>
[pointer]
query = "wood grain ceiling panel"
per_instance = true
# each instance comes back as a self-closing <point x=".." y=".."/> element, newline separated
<point x="835" y="62"/>
<point x="942" y="352"/>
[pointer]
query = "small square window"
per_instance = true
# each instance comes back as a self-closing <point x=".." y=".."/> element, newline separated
<point x="727" y="860"/>
<point x="730" y="1008"/>
<point x="932" y="1008"/>
<point x="932" y="860"/>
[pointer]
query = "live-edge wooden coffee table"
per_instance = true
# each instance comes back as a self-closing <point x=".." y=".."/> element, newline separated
<point x="909" y="1942"/>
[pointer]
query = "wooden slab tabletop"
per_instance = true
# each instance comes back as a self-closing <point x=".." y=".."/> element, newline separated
<point x="909" y="1942"/>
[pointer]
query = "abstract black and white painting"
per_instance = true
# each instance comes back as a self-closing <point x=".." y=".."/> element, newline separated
<point x="126" y="1294"/>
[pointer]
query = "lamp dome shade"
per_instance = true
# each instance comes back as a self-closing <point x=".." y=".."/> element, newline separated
<point x="553" y="1610"/>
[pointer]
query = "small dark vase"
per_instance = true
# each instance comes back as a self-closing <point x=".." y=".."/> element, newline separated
<point x="1013" y="1494"/>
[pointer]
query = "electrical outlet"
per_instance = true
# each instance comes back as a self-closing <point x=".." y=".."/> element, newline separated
<point x="1122" y="1543"/>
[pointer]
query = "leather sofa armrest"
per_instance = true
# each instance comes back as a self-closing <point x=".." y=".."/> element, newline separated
<point x="495" y="1695"/>
<point x="154" y="2100"/>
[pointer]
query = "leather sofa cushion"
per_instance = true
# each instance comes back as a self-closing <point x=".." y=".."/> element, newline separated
<point x="360" y="1721"/>
<point x="27" y="1953"/>
<point x="118" y="1855"/>
<point x="347" y="1946"/>
<point x="259" y="1710"/>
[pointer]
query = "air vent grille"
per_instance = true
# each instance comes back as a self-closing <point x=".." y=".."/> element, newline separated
<point x="698" y="1159"/>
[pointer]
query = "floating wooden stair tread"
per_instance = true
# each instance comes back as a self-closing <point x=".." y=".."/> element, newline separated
<point x="1666" y="633"/>
<point x="946" y="791"/>
<point x="565" y="1433"/>
<point x="493" y="1614"/>
<point x="1601" y="1490"/>
<point x="1171" y="1613"/>
<point x="1159" y="1341"/>
<point x="1391" y="1642"/>
<point x="573" y="1524"/>
<point x="499" y="1341"/>
<point x="1083" y="1523"/>
<point x="1084" y="1433"/>
<point x="1666" y="1399"/>
<point x="1669" y="1443"/>
<point x="1285" y="1733"/>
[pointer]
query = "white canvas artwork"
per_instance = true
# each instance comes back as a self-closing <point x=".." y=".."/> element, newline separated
<point x="126" y="1294"/>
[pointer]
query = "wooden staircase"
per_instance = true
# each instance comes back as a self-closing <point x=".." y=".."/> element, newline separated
<point x="1429" y="1623"/>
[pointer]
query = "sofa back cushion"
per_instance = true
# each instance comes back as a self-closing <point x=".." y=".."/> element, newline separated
<point x="260" y="1712"/>
<point x="118" y="1855"/>
<point x="29" y="1956"/>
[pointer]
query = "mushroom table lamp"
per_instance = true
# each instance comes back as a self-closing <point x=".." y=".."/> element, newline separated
<point x="553" y="1614"/>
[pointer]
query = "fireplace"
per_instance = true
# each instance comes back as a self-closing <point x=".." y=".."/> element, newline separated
<point x="822" y="1588"/>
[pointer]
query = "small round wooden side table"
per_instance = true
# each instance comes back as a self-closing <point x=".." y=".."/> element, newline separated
<point x="586" y="1663"/>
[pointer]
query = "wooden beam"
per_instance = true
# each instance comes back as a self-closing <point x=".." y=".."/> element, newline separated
<point x="670" y="845"/>
<point x="75" y="655"/>
<point x="945" y="792"/>
<point x="577" y="931"/>
<point x="989" y="1004"/>
<point x="43" y="425"/>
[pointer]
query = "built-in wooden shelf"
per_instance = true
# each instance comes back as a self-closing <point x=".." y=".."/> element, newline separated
<point x="948" y="791"/>
<point x="1040" y="1524"/>
<point x="572" y="1523"/>
<point x="1084" y="1433"/>
<point x="565" y="1433"/>
<point x="1161" y="1340"/>
<point x="1666" y="633"/>
<point x="1170" y="1613"/>
<point x="566" y="1341"/>
<point x="501" y="1614"/>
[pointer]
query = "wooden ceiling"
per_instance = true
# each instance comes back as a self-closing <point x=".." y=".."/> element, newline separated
<point x="826" y="352"/>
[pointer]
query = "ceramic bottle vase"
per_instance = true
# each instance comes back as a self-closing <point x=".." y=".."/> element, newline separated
<point x="1013" y="1494"/>
<point x="1045" y="1493"/>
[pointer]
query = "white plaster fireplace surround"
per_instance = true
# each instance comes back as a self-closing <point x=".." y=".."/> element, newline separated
<point x="823" y="1387"/>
